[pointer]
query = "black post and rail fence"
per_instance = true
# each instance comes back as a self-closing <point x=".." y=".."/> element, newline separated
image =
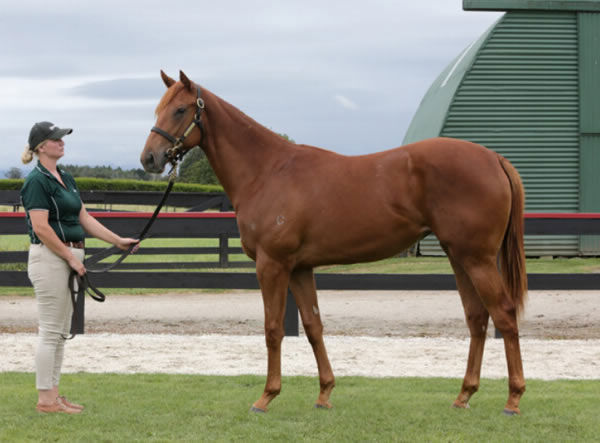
<point x="223" y="226"/>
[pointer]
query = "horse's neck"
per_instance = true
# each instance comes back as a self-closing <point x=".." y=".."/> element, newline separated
<point x="241" y="151"/>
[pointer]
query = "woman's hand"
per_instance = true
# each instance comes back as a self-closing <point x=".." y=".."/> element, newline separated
<point x="96" y="229"/>
<point x="126" y="243"/>
<point x="76" y="265"/>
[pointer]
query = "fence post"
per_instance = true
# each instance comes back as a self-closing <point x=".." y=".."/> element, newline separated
<point x="290" y="322"/>
<point x="223" y="251"/>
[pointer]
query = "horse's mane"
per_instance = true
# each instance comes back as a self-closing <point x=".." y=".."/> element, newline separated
<point x="164" y="101"/>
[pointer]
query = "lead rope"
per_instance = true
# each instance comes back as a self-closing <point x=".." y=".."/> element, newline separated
<point x="80" y="285"/>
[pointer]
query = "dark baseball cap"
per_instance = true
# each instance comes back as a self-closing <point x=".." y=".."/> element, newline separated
<point x="43" y="131"/>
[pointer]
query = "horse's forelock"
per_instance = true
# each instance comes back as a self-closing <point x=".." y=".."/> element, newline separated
<point x="166" y="99"/>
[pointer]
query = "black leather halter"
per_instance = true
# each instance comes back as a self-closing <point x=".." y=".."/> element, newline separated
<point x="175" y="153"/>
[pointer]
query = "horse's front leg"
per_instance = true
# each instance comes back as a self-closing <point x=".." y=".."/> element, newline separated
<point x="273" y="278"/>
<point x="304" y="289"/>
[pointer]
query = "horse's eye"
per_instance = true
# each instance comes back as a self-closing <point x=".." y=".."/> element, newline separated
<point x="180" y="111"/>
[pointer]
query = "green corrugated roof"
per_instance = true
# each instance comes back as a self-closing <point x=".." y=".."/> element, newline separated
<point x="544" y="5"/>
<point x="429" y="119"/>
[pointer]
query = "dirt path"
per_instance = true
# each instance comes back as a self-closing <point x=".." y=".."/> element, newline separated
<point x="548" y="315"/>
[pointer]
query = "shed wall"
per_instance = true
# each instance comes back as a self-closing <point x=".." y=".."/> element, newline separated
<point x="589" y="105"/>
<point x="521" y="99"/>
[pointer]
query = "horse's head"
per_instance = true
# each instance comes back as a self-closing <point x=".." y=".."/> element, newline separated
<point x="178" y="124"/>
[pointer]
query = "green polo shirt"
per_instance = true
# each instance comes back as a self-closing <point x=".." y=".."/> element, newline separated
<point x="41" y="190"/>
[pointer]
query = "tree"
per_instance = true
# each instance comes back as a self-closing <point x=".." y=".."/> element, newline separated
<point x="14" y="173"/>
<point x="107" y="172"/>
<point x="195" y="168"/>
<point x="287" y="137"/>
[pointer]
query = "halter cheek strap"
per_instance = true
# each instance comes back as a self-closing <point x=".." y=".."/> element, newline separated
<point x="174" y="153"/>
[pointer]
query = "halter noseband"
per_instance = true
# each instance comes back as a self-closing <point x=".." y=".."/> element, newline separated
<point x="174" y="153"/>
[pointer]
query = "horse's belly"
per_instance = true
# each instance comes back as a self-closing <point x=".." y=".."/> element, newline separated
<point x="338" y="248"/>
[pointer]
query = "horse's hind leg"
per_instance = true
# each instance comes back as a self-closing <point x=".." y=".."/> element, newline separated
<point x="488" y="283"/>
<point x="303" y="287"/>
<point x="477" y="318"/>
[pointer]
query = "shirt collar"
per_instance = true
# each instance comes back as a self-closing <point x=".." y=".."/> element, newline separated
<point x="44" y="171"/>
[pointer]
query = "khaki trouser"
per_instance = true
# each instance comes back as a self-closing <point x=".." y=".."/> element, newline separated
<point x="49" y="275"/>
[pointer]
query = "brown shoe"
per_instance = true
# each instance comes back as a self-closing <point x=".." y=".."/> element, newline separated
<point x="57" y="406"/>
<point x="62" y="399"/>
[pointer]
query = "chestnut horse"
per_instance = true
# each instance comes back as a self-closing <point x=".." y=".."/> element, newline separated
<point x="299" y="207"/>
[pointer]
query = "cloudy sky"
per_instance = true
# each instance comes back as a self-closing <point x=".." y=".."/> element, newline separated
<point x="344" y="75"/>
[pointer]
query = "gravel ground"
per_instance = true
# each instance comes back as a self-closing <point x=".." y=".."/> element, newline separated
<point x="367" y="333"/>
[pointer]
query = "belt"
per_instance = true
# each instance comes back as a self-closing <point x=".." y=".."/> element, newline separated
<point x="75" y="244"/>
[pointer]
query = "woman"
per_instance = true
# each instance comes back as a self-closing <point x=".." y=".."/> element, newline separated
<point x="57" y="222"/>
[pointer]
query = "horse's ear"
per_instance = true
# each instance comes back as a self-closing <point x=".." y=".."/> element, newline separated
<point x="168" y="80"/>
<point x="186" y="81"/>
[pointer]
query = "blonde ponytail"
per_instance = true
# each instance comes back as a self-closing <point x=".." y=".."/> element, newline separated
<point x="27" y="155"/>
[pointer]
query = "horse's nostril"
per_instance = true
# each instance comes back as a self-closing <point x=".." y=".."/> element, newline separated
<point x="148" y="161"/>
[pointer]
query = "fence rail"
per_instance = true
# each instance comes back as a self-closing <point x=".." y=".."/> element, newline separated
<point x="223" y="226"/>
<point x="193" y="201"/>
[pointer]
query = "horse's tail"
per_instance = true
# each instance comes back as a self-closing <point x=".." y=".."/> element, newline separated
<point x="512" y="253"/>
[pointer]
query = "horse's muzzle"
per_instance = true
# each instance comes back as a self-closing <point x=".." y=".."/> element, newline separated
<point x="153" y="162"/>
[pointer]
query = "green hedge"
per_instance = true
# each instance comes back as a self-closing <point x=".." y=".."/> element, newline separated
<point x="10" y="184"/>
<point x="101" y="184"/>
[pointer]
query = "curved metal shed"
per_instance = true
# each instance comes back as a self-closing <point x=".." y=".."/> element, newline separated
<point x="529" y="88"/>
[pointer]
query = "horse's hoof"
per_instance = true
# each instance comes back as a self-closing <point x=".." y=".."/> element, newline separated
<point x="510" y="412"/>
<point x="461" y="405"/>
<point x="320" y="406"/>
<point x="257" y="410"/>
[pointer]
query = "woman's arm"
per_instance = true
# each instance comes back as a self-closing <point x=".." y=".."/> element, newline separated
<point x="98" y="230"/>
<point x="43" y="230"/>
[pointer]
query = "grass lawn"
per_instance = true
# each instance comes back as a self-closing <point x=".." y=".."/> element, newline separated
<point x="208" y="408"/>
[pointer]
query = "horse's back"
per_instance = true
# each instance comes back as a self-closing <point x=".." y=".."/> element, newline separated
<point x="416" y="182"/>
